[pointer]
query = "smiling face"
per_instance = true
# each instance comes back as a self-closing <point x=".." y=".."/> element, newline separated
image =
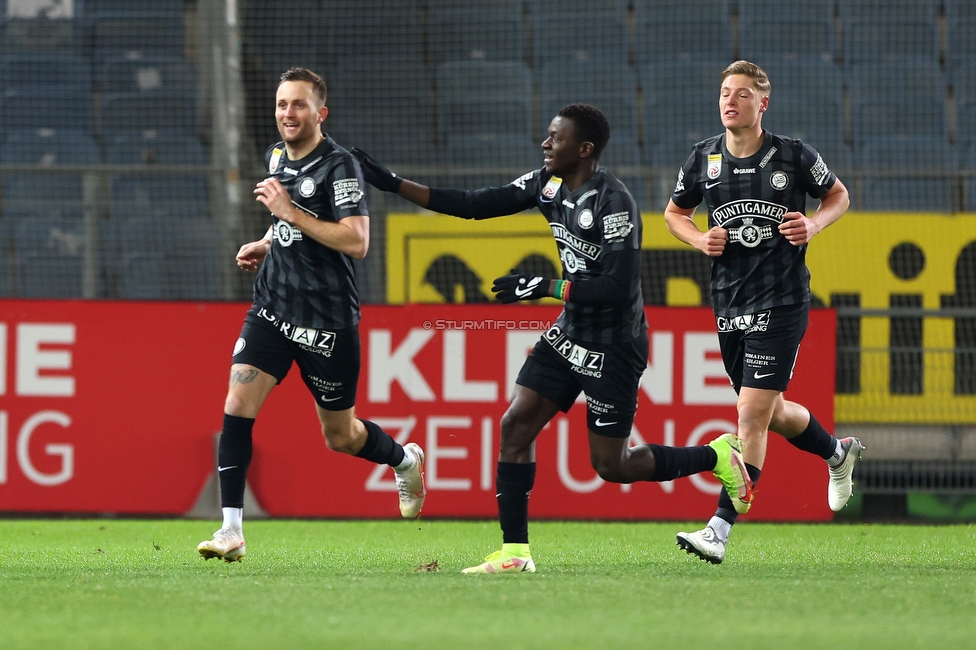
<point x="298" y="113"/>
<point x="562" y="149"/>
<point x="741" y="103"/>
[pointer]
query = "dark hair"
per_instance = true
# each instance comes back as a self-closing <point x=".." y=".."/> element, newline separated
<point x="304" y="74"/>
<point x="591" y="125"/>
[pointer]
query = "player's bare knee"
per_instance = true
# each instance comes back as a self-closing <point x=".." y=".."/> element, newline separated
<point x="341" y="441"/>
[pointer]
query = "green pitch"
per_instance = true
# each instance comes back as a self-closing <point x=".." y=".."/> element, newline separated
<point x="140" y="584"/>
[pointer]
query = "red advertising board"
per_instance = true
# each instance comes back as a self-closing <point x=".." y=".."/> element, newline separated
<point x="112" y="406"/>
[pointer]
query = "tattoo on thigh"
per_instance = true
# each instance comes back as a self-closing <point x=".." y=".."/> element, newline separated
<point x="243" y="376"/>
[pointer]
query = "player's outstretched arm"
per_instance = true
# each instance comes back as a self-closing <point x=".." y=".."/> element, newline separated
<point x="383" y="179"/>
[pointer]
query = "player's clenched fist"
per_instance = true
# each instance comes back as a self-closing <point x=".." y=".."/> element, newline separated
<point x="712" y="243"/>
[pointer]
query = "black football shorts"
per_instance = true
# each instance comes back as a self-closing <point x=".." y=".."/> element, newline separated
<point x="759" y="350"/>
<point x="328" y="360"/>
<point x="559" y="368"/>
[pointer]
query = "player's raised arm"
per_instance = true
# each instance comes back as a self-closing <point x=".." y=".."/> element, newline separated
<point x="474" y="204"/>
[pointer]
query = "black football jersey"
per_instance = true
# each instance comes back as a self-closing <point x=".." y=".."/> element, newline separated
<point x="301" y="281"/>
<point x="597" y="218"/>
<point x="748" y="197"/>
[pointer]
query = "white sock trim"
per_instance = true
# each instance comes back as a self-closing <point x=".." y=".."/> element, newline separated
<point x="838" y="456"/>
<point x="409" y="460"/>
<point x="721" y="527"/>
<point x="233" y="519"/>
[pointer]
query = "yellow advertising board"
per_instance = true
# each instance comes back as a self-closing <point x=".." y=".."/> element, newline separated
<point x="874" y="261"/>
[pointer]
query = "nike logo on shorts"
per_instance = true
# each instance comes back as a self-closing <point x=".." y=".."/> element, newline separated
<point x="222" y="469"/>
<point x="603" y="424"/>
<point x="758" y="376"/>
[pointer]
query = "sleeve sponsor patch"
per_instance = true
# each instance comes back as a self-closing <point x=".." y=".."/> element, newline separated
<point x="616" y="226"/>
<point x="819" y="171"/>
<point x="346" y="191"/>
<point x="522" y="180"/>
<point x="680" y="185"/>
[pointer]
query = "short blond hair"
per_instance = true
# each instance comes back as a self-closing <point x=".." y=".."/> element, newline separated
<point x="751" y="70"/>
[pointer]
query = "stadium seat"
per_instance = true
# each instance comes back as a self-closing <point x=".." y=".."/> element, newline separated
<point x="913" y="157"/>
<point x="50" y="254"/>
<point x="800" y="117"/>
<point x="49" y="70"/>
<point x="49" y="191"/>
<point x="492" y="97"/>
<point x="898" y="115"/>
<point x="622" y="158"/>
<point x="960" y="20"/>
<point x="922" y="10"/>
<point x="917" y="77"/>
<point x="187" y="192"/>
<point x="769" y="39"/>
<point x="385" y="29"/>
<point x="970" y="183"/>
<point x="964" y="89"/>
<point x="677" y="121"/>
<point x="560" y="37"/>
<point x="804" y="79"/>
<point x="7" y="258"/>
<point x="95" y="7"/>
<point x="136" y="35"/>
<point x="22" y="35"/>
<point x="698" y="30"/>
<point x="668" y="76"/>
<point x="298" y="19"/>
<point x="54" y="108"/>
<point x="483" y="160"/>
<point x="184" y="251"/>
<point x="873" y="40"/>
<point x="610" y="87"/>
<point x="149" y="75"/>
<point x="616" y="8"/>
<point x="164" y="111"/>
<point x="368" y="94"/>
<point x="475" y="35"/>
<point x="787" y="30"/>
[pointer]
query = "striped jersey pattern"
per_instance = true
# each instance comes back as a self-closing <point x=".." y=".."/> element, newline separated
<point x="749" y="197"/>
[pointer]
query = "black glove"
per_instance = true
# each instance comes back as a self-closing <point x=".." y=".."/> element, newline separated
<point x="520" y="286"/>
<point x="376" y="174"/>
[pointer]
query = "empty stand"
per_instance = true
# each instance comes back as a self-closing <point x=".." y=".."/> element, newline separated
<point x="135" y="35"/>
<point x="611" y="87"/>
<point x="484" y="97"/>
<point x="178" y="193"/>
<point x="475" y="35"/>
<point x="911" y="174"/>
<point x="560" y="37"/>
<point x="383" y="107"/>
<point x="47" y="190"/>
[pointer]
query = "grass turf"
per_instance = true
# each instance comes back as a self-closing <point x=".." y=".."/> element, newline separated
<point x="353" y="584"/>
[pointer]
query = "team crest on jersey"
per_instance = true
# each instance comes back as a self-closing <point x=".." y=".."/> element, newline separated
<point x="549" y="191"/>
<point x="779" y="180"/>
<point x="586" y="219"/>
<point x="275" y="159"/>
<point x="714" y="166"/>
<point x="286" y="234"/>
<point x="307" y="187"/>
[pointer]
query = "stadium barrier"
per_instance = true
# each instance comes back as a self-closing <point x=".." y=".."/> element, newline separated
<point x="110" y="407"/>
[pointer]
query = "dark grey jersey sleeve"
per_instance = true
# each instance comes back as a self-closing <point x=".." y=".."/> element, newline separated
<point x="487" y="202"/>
<point x="687" y="190"/>
<point x="816" y="177"/>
